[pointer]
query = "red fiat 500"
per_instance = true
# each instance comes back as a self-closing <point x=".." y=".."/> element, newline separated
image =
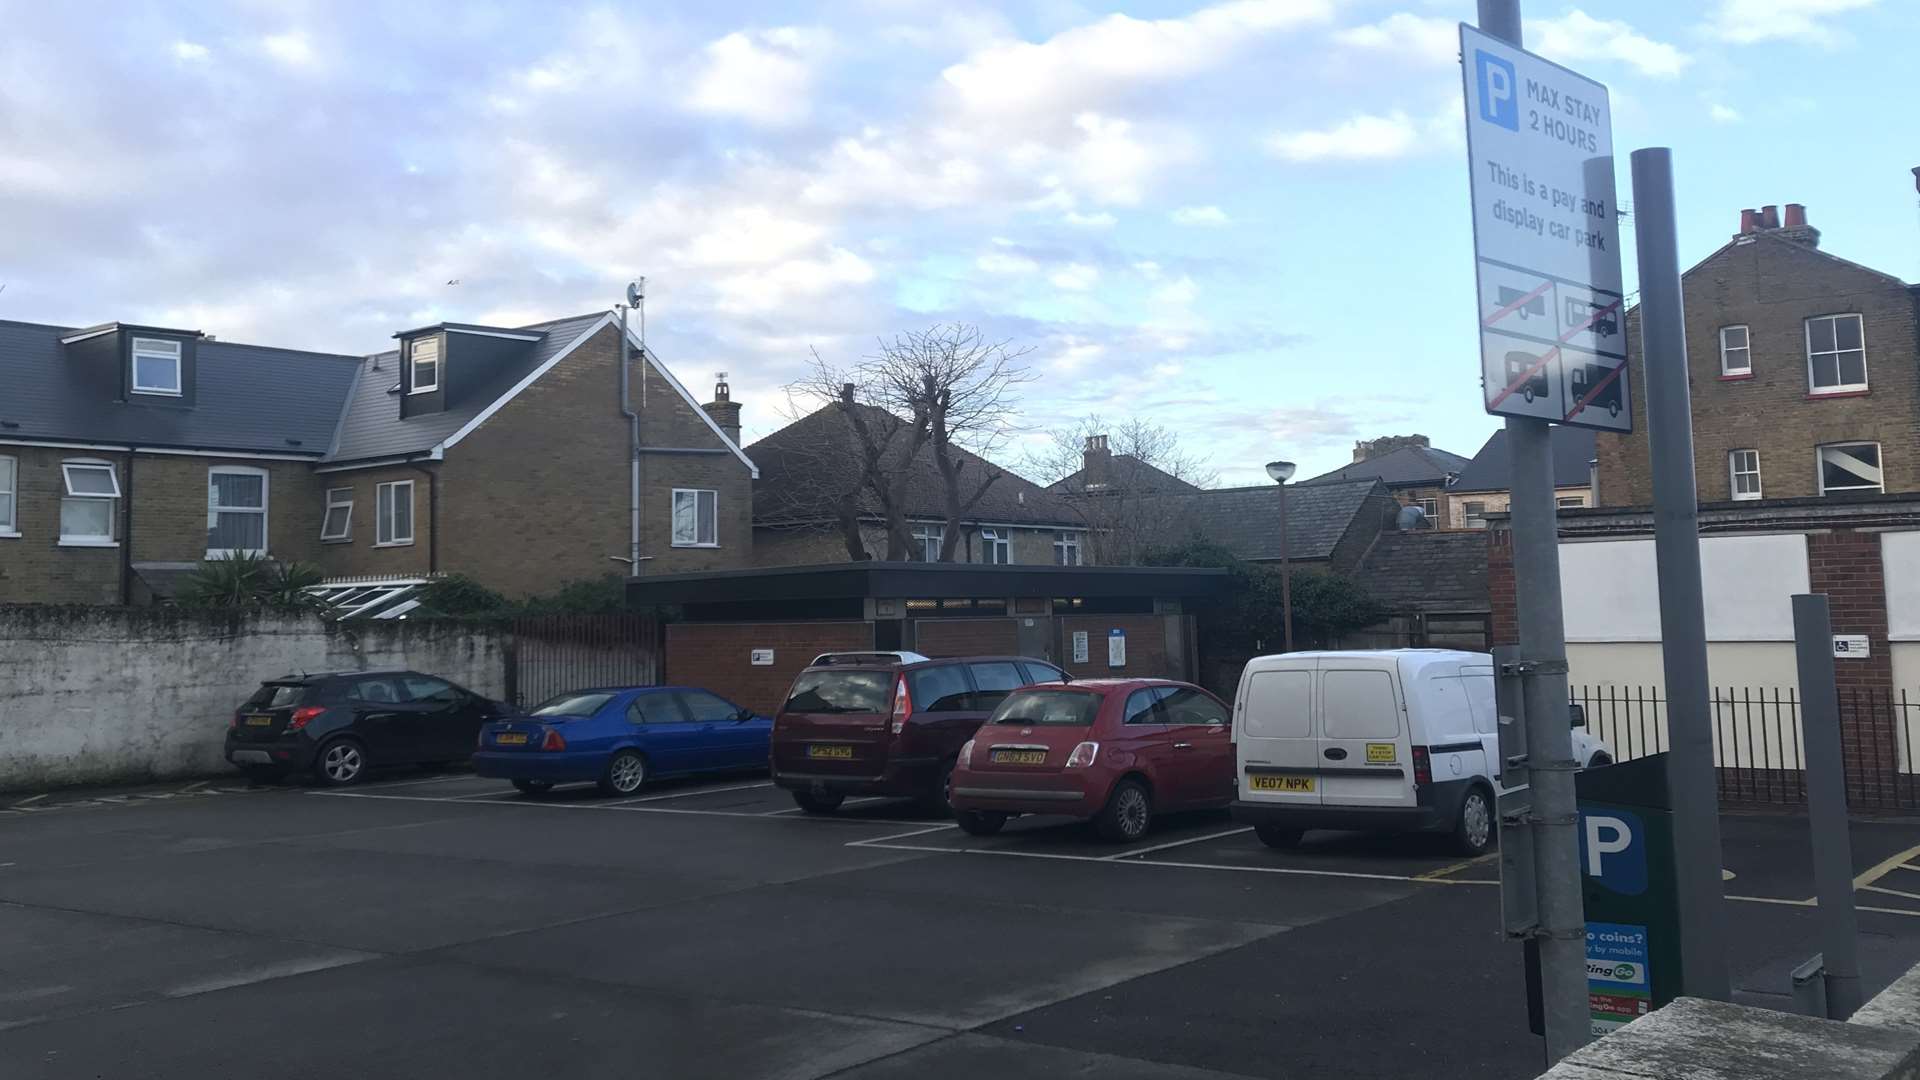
<point x="1115" y="751"/>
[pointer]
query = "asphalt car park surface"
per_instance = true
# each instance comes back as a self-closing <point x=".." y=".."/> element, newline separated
<point x="446" y="925"/>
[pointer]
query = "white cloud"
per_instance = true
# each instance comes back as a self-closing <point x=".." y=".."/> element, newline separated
<point x="763" y="77"/>
<point x="1082" y="67"/>
<point x="1429" y="40"/>
<point x="1200" y="215"/>
<point x="1110" y="163"/>
<point x="1076" y="277"/>
<point x="1744" y="22"/>
<point x="773" y="288"/>
<point x="1579" y="36"/>
<point x="1723" y="114"/>
<point x="291" y="48"/>
<point x="1178" y="293"/>
<point x="189" y="51"/>
<point x="1002" y="262"/>
<point x="1362" y="138"/>
<point x="1099" y="219"/>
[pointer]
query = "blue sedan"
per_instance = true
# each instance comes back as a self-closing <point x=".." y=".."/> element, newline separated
<point x="621" y="737"/>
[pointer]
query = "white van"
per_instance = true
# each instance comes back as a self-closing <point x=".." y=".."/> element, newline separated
<point x="1398" y="740"/>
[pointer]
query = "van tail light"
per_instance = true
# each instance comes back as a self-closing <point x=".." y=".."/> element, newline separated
<point x="303" y="716"/>
<point x="553" y="741"/>
<point x="1083" y="755"/>
<point x="1422" y="766"/>
<point x="902" y="705"/>
<point x="966" y="754"/>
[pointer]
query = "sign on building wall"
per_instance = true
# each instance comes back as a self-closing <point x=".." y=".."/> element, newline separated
<point x="1116" y="648"/>
<point x="1546" y="238"/>
<point x="1850" y="647"/>
<point x="761" y="657"/>
<point x="1080" y="646"/>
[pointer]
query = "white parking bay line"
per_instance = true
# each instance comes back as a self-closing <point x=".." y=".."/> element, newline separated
<point x="415" y="783"/>
<point x="843" y="806"/>
<point x="1136" y="852"/>
<point x="905" y="835"/>
<point x="610" y="807"/>
<point x="688" y="794"/>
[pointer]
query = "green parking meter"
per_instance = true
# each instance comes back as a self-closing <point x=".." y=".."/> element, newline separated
<point x="1630" y="890"/>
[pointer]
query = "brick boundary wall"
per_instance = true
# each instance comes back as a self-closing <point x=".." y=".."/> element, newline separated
<point x="1500" y="588"/>
<point x="718" y="656"/>
<point x="966" y="637"/>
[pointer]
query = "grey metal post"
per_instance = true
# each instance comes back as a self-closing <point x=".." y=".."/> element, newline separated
<point x="1543" y="651"/>
<point x="1286" y="573"/>
<point x="1827" y="803"/>
<point x="1676" y="544"/>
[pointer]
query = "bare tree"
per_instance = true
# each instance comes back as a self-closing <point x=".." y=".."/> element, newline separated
<point x="1129" y="480"/>
<point x="939" y="391"/>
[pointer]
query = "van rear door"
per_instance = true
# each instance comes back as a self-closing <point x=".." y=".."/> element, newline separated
<point x="1277" y="754"/>
<point x="1365" y="756"/>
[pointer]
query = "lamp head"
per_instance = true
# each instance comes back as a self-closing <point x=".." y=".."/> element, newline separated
<point x="1280" y="471"/>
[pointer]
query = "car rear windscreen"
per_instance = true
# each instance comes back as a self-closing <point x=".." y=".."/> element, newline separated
<point x="277" y="696"/>
<point x="1064" y="708"/>
<point x="841" y="692"/>
<point x="573" y="705"/>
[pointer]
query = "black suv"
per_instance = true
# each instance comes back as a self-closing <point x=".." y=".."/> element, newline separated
<point x="339" y="724"/>
<point x="888" y="723"/>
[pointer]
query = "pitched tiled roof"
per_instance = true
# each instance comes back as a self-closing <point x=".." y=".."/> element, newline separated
<point x="805" y="464"/>
<point x="1428" y="571"/>
<point x="1246" y="520"/>
<point x="1491" y="469"/>
<point x="373" y="428"/>
<point x="249" y="398"/>
<point x="1408" y="466"/>
<point x="1128" y="473"/>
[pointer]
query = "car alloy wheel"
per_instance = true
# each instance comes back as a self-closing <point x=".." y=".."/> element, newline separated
<point x="627" y="772"/>
<point x="342" y="763"/>
<point x="1132" y="812"/>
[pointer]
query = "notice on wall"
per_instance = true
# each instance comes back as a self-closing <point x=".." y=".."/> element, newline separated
<point x="1116" y="648"/>
<point x="1851" y="647"/>
<point x="761" y="657"/>
<point x="1079" y="646"/>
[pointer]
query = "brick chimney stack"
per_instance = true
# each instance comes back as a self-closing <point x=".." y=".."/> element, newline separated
<point x="1367" y="449"/>
<point x="1096" y="463"/>
<point x="724" y="410"/>
<point x="1767" y="220"/>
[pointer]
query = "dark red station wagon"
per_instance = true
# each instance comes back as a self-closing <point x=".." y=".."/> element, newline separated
<point x="888" y="723"/>
<point x="1113" y="751"/>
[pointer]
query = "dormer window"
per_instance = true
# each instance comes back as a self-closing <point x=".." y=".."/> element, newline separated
<point x="156" y="366"/>
<point x="424" y="357"/>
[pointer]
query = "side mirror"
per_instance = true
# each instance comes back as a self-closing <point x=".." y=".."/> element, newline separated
<point x="1577" y="715"/>
<point x="743" y="716"/>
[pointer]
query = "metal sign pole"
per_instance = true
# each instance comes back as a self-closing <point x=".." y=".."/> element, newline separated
<point x="1827" y="804"/>
<point x="1683" y="622"/>
<point x="1549" y="735"/>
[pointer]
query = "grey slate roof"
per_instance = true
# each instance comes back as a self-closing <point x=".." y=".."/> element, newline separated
<point x="250" y="398"/>
<point x="805" y="464"/>
<point x="1246" y="520"/>
<point x="1128" y="473"/>
<point x="1409" y="466"/>
<point x="1428" y="571"/>
<point x="1491" y="469"/>
<point x="372" y="427"/>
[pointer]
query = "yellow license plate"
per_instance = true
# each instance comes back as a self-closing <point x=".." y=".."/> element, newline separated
<point x="1280" y="783"/>
<point x="259" y="720"/>
<point x="839" y="753"/>
<point x="510" y="738"/>
<point x="1381" y="753"/>
<point x="1019" y="757"/>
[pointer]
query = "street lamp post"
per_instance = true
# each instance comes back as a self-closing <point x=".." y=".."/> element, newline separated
<point x="1281" y="472"/>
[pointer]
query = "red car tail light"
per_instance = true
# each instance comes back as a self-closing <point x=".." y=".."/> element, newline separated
<point x="966" y="755"/>
<point x="1422" y="766"/>
<point x="1083" y="755"/>
<point x="902" y="705"/>
<point x="553" y="741"/>
<point x="302" y="716"/>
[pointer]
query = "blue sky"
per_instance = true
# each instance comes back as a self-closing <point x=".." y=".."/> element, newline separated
<point x="1247" y="220"/>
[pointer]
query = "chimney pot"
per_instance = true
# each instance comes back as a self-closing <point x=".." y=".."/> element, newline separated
<point x="1770" y="217"/>
<point x="1748" y="220"/>
<point x="1796" y="216"/>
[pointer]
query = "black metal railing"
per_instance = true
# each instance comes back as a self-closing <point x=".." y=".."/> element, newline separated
<point x="1758" y="743"/>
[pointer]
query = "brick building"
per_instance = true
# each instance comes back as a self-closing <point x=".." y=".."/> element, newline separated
<point x="1413" y="471"/>
<point x="1484" y="487"/>
<point x="129" y="454"/>
<point x="811" y="471"/>
<point x="1804" y="371"/>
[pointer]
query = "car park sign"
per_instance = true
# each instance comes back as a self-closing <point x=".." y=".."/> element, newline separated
<point x="1546" y="237"/>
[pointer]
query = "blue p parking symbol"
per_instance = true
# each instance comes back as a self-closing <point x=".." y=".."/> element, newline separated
<point x="1497" y="103"/>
